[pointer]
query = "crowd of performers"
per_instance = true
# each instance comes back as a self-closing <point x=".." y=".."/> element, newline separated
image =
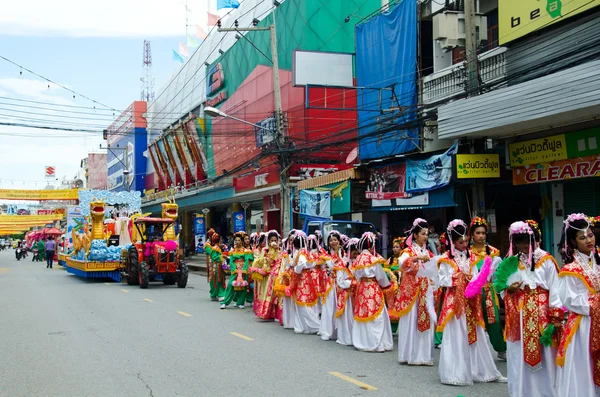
<point x="349" y="293"/>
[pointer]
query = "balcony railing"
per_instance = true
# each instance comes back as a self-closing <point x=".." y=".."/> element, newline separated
<point x="450" y="82"/>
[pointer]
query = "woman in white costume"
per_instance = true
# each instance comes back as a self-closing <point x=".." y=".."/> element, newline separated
<point x="413" y="304"/>
<point x="372" y="331"/>
<point x="303" y="289"/>
<point x="345" y="284"/>
<point x="335" y="259"/>
<point x="465" y="357"/>
<point x="578" y="288"/>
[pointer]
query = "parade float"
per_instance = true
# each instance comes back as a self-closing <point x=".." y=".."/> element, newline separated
<point x="154" y="253"/>
<point x="92" y="255"/>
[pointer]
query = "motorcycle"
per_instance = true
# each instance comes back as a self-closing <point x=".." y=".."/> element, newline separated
<point x="19" y="253"/>
<point x="36" y="256"/>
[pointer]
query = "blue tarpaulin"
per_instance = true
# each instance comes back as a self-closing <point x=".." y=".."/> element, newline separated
<point x="386" y="57"/>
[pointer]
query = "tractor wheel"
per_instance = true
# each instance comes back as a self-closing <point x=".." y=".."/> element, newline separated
<point x="169" y="279"/>
<point x="144" y="275"/>
<point x="132" y="272"/>
<point x="183" y="275"/>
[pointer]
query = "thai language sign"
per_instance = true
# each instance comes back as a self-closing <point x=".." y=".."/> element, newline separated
<point x="517" y="18"/>
<point x="558" y="171"/>
<point x="537" y="151"/>
<point x="39" y="195"/>
<point x="477" y="166"/>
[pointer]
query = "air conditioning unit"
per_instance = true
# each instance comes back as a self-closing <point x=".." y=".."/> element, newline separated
<point x="449" y="29"/>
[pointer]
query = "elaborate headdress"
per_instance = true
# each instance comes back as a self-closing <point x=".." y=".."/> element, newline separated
<point x="535" y="227"/>
<point x="416" y="224"/>
<point x="298" y="235"/>
<point x="477" y="222"/>
<point x="367" y="241"/>
<point x="452" y="228"/>
<point x="336" y="234"/>
<point x="520" y="228"/>
<point x="240" y="234"/>
<point x="351" y="243"/>
<point x="272" y="233"/>
<point x="215" y="237"/>
<point x="569" y="225"/>
<point x="595" y="221"/>
<point x="398" y="240"/>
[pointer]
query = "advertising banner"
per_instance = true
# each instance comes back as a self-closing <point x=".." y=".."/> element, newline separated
<point x="315" y="203"/>
<point x="583" y="143"/>
<point x="558" y="170"/>
<point x="199" y="225"/>
<point x="517" y="18"/>
<point x="477" y="166"/>
<point x="239" y="222"/>
<point x="537" y="151"/>
<point x="431" y="173"/>
<point x="75" y="222"/>
<point x="41" y="218"/>
<point x="266" y="133"/>
<point x="387" y="183"/>
<point x="39" y="195"/>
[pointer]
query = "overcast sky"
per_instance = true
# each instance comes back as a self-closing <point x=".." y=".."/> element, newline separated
<point x="93" y="48"/>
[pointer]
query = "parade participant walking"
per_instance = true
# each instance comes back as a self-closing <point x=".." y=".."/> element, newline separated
<point x="579" y="291"/>
<point x="465" y="357"/>
<point x="239" y="261"/>
<point x="264" y="272"/>
<point x="413" y="304"/>
<point x="303" y="289"/>
<point x="479" y="249"/>
<point x="345" y="284"/>
<point x="533" y="312"/>
<point x="371" y="331"/>
<point x="328" y="328"/>
<point x="216" y="271"/>
<point x="50" y="248"/>
<point x="283" y="284"/>
<point x="392" y="269"/>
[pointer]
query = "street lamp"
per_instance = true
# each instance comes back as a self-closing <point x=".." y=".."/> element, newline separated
<point x="283" y="165"/>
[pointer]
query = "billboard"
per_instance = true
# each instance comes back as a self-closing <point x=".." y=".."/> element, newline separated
<point x="97" y="171"/>
<point x="265" y="131"/>
<point x="517" y="18"/>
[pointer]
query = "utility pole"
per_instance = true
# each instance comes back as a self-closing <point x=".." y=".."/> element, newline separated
<point x="477" y="188"/>
<point x="282" y="138"/>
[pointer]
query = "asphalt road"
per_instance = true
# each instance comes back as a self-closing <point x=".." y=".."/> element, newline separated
<point x="64" y="336"/>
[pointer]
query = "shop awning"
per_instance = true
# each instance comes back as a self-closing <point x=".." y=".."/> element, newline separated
<point x="334" y="177"/>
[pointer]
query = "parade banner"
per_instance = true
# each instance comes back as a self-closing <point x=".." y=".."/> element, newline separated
<point x="477" y="166"/>
<point x="75" y="222"/>
<point x="315" y="203"/>
<point x="537" y="151"/>
<point x="41" y="218"/>
<point x="387" y="183"/>
<point x="39" y="195"/>
<point x="558" y="171"/>
<point x="431" y="173"/>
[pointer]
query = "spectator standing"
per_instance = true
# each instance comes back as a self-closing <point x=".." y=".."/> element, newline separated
<point x="50" y="248"/>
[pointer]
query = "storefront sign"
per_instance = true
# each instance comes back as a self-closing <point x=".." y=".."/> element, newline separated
<point x="543" y="150"/>
<point x="239" y="222"/>
<point x="477" y="166"/>
<point x="199" y="225"/>
<point x="215" y="81"/>
<point x="583" y="143"/>
<point x="39" y="195"/>
<point x="387" y="183"/>
<point x="315" y="203"/>
<point x="431" y="173"/>
<point x="517" y="18"/>
<point x="558" y="171"/>
<point x="161" y="195"/>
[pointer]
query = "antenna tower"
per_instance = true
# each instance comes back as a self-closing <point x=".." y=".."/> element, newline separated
<point x="147" y="79"/>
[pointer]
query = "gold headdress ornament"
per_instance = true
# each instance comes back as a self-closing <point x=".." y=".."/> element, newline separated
<point x="398" y="240"/>
<point x="478" y="221"/>
<point x="534" y="226"/>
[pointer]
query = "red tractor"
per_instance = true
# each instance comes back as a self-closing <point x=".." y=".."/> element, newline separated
<point x="154" y="258"/>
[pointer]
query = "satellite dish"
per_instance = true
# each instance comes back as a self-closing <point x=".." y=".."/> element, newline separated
<point x="352" y="156"/>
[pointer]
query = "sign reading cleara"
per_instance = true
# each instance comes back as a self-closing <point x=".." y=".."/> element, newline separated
<point x="582" y="167"/>
<point x="215" y="81"/>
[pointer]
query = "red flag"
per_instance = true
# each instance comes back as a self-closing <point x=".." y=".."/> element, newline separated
<point x="201" y="33"/>
<point x="212" y="19"/>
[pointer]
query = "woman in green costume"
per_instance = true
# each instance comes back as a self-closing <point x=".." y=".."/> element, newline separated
<point x="479" y="249"/>
<point x="239" y="262"/>
<point x="215" y="260"/>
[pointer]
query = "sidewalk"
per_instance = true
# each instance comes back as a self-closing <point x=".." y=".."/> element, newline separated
<point x="197" y="262"/>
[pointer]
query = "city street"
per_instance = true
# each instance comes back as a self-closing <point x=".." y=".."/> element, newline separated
<point x="65" y="336"/>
